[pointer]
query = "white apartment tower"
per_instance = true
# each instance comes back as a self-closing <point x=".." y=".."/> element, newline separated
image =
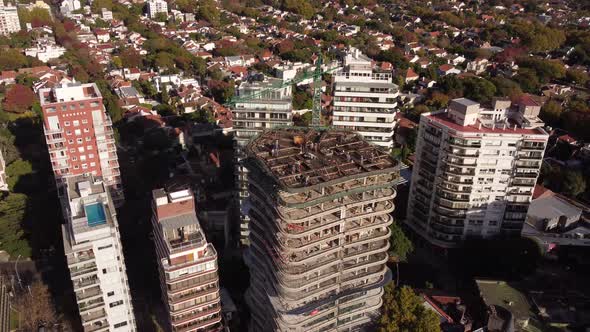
<point x="475" y="170"/>
<point x="95" y="257"/>
<point x="262" y="103"/>
<point x="157" y="6"/>
<point x="79" y="135"/>
<point x="9" y="21"/>
<point x="365" y="100"/>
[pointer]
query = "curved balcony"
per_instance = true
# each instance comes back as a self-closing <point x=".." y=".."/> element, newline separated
<point x="310" y="212"/>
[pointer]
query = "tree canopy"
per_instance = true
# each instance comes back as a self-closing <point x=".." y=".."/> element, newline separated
<point x="19" y="99"/>
<point x="403" y="311"/>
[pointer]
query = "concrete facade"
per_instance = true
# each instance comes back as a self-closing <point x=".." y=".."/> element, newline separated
<point x="320" y="209"/>
<point x="269" y="107"/>
<point x="187" y="263"/>
<point x="475" y="171"/>
<point x="365" y="100"/>
<point x="94" y="255"/>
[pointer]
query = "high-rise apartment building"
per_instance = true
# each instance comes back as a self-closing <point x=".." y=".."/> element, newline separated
<point x="9" y="21"/>
<point x="155" y="7"/>
<point x="475" y="170"/>
<point x="79" y="135"/>
<point x="321" y="203"/>
<point x="266" y="104"/>
<point x="365" y="99"/>
<point x="95" y="257"/>
<point x="187" y="263"/>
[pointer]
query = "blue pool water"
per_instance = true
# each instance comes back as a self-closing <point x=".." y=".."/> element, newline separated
<point x="95" y="214"/>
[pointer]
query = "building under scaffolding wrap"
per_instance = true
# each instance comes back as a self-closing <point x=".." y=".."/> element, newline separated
<point x="320" y="209"/>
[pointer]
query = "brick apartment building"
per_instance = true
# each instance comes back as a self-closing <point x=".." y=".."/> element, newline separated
<point x="79" y="135"/>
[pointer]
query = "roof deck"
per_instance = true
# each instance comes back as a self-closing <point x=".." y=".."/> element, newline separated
<point x="69" y="92"/>
<point x="298" y="158"/>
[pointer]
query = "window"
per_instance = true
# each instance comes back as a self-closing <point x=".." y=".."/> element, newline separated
<point x="71" y="141"/>
<point x="79" y="140"/>
<point x="68" y="132"/>
<point x="92" y="164"/>
<point x="81" y="149"/>
<point x="78" y="132"/>
<point x="88" y="139"/>
<point x="64" y="107"/>
<point x="84" y="166"/>
<point x="104" y="271"/>
<point x="105" y="247"/>
<point x="76" y="123"/>
<point x="74" y="158"/>
<point x="76" y="166"/>
<point x="110" y="293"/>
<point x="116" y="303"/>
<point x="84" y="121"/>
<point x="89" y="147"/>
<point x="91" y="155"/>
<point x="82" y="157"/>
<point x="67" y="123"/>
<point x="72" y="150"/>
<point x="72" y="107"/>
<point x="86" y="130"/>
<point x="120" y="324"/>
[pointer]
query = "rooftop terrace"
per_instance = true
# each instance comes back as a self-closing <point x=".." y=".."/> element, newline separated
<point x="301" y="157"/>
<point x="69" y="92"/>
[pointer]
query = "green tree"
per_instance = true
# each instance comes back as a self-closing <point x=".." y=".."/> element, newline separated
<point x="15" y="170"/>
<point x="12" y="59"/>
<point x="403" y="311"/>
<point x="400" y="246"/>
<point x="576" y="76"/>
<point x="574" y="183"/>
<point x="551" y="112"/>
<point x="506" y="87"/>
<point x="161" y="17"/>
<point x="479" y="89"/>
<point x="301" y="7"/>
<point x="208" y="11"/>
<point x="12" y="236"/>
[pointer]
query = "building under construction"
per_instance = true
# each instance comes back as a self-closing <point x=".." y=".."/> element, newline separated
<point x="320" y="209"/>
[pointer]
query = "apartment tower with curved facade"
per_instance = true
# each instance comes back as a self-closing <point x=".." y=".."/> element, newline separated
<point x="320" y="209"/>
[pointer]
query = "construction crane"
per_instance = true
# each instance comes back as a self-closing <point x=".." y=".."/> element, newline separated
<point x="316" y="74"/>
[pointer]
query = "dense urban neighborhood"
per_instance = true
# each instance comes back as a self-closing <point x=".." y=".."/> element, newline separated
<point x="264" y="165"/>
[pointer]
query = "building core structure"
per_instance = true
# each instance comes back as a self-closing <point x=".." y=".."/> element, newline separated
<point x="475" y="170"/>
<point x="94" y="256"/>
<point x="365" y="99"/>
<point x="79" y="136"/>
<point x="187" y="263"/>
<point x="264" y="104"/>
<point x="320" y="209"/>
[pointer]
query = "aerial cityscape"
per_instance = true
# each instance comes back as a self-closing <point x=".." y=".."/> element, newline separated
<point x="294" y="166"/>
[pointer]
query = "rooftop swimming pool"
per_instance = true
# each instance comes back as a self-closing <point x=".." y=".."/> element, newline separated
<point x="95" y="214"/>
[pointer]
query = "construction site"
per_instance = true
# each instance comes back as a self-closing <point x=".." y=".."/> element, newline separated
<point x="320" y="207"/>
